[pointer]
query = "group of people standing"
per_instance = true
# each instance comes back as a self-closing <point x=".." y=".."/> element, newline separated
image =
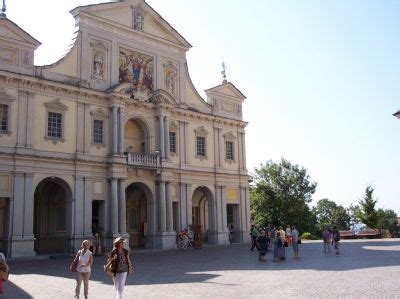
<point x="331" y="238"/>
<point x="276" y="238"/>
<point x="118" y="265"/>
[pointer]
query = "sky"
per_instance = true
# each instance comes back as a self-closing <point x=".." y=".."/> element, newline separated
<point x="321" y="79"/>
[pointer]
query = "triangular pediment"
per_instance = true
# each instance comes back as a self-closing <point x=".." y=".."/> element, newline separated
<point x="227" y="89"/>
<point x="126" y="14"/>
<point x="162" y="96"/>
<point x="11" y="32"/>
<point x="56" y="105"/>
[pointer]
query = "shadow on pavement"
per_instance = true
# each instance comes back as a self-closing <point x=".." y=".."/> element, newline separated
<point x="185" y="266"/>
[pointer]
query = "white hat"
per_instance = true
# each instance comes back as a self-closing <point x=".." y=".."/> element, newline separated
<point x="118" y="240"/>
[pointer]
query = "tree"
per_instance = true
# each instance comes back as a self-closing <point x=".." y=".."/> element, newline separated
<point x="368" y="214"/>
<point x="341" y="218"/>
<point x="328" y="213"/>
<point x="281" y="195"/>
<point x="355" y="214"/>
<point x="387" y="219"/>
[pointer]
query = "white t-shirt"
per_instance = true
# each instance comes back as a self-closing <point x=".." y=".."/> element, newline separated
<point x="84" y="259"/>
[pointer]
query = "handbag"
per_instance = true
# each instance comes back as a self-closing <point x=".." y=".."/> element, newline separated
<point x="4" y="272"/>
<point x="74" y="263"/>
<point x="108" y="269"/>
<point x="299" y="241"/>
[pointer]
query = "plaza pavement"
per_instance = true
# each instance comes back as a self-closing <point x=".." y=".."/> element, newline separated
<point x="364" y="269"/>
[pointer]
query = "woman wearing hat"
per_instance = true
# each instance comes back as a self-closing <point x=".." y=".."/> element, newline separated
<point x="120" y="265"/>
<point x="85" y="260"/>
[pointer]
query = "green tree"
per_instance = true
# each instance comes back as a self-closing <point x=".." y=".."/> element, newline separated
<point x="387" y="219"/>
<point x="281" y="195"/>
<point x="368" y="214"/>
<point x="341" y="218"/>
<point x="355" y="214"/>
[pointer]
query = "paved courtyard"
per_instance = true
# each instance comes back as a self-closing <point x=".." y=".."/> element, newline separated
<point x="364" y="269"/>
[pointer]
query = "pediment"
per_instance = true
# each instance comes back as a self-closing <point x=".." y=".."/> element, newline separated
<point x="162" y="96"/>
<point x="11" y="32"/>
<point x="229" y="136"/>
<point x="56" y="105"/>
<point x="226" y="89"/>
<point x="136" y="15"/>
<point x="5" y="97"/>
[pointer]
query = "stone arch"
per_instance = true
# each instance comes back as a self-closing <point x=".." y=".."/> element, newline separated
<point x="137" y="134"/>
<point x="203" y="212"/>
<point x="52" y="221"/>
<point x="140" y="215"/>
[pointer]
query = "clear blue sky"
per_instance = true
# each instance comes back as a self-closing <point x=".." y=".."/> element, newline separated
<point x="321" y="79"/>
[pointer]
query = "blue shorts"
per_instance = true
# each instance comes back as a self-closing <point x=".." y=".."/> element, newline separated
<point x="295" y="246"/>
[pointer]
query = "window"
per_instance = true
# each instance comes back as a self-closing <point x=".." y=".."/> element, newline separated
<point x="201" y="146"/>
<point x="229" y="150"/>
<point x="172" y="142"/>
<point x="98" y="131"/>
<point x="54" y="125"/>
<point x="3" y="118"/>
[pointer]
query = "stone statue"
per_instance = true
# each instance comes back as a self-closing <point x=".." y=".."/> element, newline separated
<point x="170" y="82"/>
<point x="98" y="66"/>
<point x="139" y="20"/>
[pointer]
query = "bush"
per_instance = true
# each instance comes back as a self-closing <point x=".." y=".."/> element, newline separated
<point x="306" y="236"/>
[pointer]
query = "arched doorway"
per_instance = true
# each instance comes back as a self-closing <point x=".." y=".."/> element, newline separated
<point x="139" y="215"/>
<point x="136" y="136"/>
<point x="202" y="210"/>
<point x="50" y="215"/>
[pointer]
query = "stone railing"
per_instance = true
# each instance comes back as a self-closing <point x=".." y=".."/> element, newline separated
<point x="144" y="160"/>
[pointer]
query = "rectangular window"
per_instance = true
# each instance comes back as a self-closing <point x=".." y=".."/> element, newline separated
<point x="200" y="146"/>
<point x="98" y="131"/>
<point x="54" y="125"/>
<point x="229" y="150"/>
<point x="172" y="142"/>
<point x="3" y="118"/>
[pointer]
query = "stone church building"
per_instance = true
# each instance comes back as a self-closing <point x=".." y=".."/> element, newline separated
<point x="114" y="138"/>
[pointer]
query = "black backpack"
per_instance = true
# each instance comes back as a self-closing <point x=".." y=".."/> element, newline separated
<point x="336" y="236"/>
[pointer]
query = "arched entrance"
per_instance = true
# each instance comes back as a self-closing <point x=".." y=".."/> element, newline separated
<point x="50" y="215"/>
<point x="136" y="136"/>
<point x="139" y="215"/>
<point x="202" y="210"/>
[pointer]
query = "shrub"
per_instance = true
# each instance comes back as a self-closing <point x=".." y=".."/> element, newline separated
<point x="306" y="236"/>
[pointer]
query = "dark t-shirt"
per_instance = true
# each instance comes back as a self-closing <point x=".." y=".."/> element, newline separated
<point x="263" y="242"/>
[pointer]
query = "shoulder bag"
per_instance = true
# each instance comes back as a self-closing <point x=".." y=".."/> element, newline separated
<point x="74" y="263"/>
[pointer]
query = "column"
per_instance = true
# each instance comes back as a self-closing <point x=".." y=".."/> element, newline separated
<point x="79" y="206"/>
<point x="114" y="206"/>
<point x="161" y="136"/>
<point x="216" y="148"/>
<point x="114" y="130"/>
<point x="80" y="114"/>
<point x="121" y="131"/>
<point x="88" y="208"/>
<point x="221" y="147"/>
<point x="18" y="207"/>
<point x="189" y="203"/>
<point x="244" y="151"/>
<point x="162" y="207"/>
<point x="29" y="120"/>
<point x="166" y="137"/>
<point x="21" y="121"/>
<point x="122" y="206"/>
<point x="87" y="128"/>
<point x="182" y="206"/>
<point x="28" y="206"/>
<point x="223" y="209"/>
<point x="168" y="196"/>
<point x="182" y="143"/>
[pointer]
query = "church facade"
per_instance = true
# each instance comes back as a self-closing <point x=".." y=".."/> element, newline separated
<point x="114" y="138"/>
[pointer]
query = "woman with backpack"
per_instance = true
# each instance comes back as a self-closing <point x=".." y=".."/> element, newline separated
<point x="336" y="238"/>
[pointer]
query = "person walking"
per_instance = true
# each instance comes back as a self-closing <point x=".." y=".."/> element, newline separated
<point x="121" y="265"/>
<point x="277" y="247"/>
<point x="97" y="246"/>
<point x="4" y="272"/>
<point x="83" y="269"/>
<point x="272" y="234"/>
<point x="288" y="233"/>
<point x="254" y="236"/>
<point x="230" y="229"/>
<point x="336" y="239"/>
<point x="326" y="237"/>
<point x="263" y="242"/>
<point x="295" y="241"/>
<point x="282" y="236"/>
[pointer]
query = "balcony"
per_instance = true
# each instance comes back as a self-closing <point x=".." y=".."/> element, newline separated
<point x="143" y="160"/>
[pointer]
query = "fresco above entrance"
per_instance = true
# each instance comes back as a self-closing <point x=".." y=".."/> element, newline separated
<point x="137" y="69"/>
